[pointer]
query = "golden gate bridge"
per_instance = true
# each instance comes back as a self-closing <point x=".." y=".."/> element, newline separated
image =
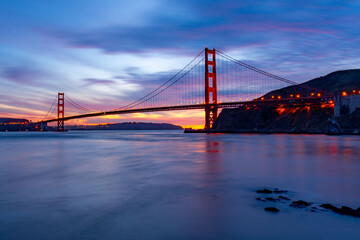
<point x="211" y="80"/>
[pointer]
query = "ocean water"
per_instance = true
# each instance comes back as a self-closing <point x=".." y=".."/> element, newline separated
<point x="171" y="185"/>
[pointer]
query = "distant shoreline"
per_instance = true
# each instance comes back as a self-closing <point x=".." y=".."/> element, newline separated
<point x="249" y="131"/>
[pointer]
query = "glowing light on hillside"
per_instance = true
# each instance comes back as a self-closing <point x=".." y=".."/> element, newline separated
<point x="319" y="94"/>
<point x="344" y="93"/>
<point x="280" y="110"/>
<point x="298" y="96"/>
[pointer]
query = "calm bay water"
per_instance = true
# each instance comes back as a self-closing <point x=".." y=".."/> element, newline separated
<point x="170" y="185"/>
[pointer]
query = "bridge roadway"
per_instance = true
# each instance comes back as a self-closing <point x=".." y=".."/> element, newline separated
<point x="199" y="106"/>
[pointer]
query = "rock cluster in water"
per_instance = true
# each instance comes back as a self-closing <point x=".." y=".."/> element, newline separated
<point x="276" y="196"/>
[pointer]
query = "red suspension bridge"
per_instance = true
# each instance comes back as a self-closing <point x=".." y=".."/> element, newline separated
<point x="211" y="81"/>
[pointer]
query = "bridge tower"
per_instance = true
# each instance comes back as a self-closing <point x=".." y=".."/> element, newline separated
<point x="210" y="88"/>
<point x="60" y="115"/>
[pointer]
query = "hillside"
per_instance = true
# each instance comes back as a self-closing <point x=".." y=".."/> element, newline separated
<point x="275" y="119"/>
<point x="295" y="118"/>
<point x="13" y="121"/>
<point x="346" y="80"/>
<point x="16" y="124"/>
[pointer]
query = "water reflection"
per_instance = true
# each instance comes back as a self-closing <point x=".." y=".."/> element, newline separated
<point x="110" y="185"/>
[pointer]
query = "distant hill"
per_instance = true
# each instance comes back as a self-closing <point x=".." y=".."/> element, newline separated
<point x="16" y="124"/>
<point x="345" y="80"/>
<point x="13" y="120"/>
<point x="127" y="126"/>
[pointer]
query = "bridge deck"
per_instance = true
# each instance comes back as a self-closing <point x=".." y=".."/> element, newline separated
<point x="198" y="106"/>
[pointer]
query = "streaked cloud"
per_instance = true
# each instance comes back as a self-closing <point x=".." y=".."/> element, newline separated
<point x="107" y="54"/>
<point x="94" y="81"/>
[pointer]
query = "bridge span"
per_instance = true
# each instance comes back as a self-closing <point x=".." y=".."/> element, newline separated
<point x="209" y="82"/>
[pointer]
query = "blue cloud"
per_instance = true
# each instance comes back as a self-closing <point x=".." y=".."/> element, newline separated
<point x="295" y="39"/>
<point x="95" y="81"/>
<point x="22" y="75"/>
<point x="222" y="24"/>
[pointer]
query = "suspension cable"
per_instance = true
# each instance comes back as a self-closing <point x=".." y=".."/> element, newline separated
<point x="130" y="104"/>
<point x="67" y="101"/>
<point x="73" y="103"/>
<point x="256" y="69"/>
<point x="50" y="108"/>
<point x="169" y="84"/>
<point x="52" y="112"/>
<point x="269" y="74"/>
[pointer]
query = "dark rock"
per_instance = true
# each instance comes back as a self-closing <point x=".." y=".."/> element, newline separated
<point x="285" y="198"/>
<point x="314" y="207"/>
<point x="264" y="191"/>
<point x="271" y="209"/>
<point x="300" y="204"/>
<point x="347" y="210"/>
<point x="296" y="130"/>
<point x="328" y="206"/>
<point x="280" y="191"/>
<point x="271" y="199"/>
<point x="333" y="127"/>
<point x="260" y="199"/>
<point x="344" y="210"/>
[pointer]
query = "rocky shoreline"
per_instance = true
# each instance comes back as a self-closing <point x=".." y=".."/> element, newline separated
<point x="252" y="131"/>
<point x="301" y="119"/>
<point x="282" y="198"/>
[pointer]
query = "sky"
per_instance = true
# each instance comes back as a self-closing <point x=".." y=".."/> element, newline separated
<point x="105" y="54"/>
